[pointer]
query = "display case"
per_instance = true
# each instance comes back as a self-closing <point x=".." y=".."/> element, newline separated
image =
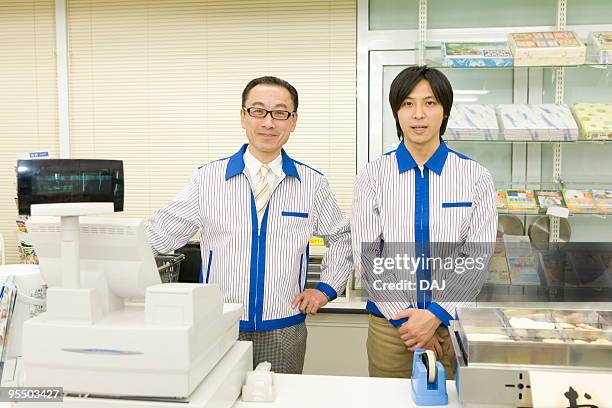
<point x="387" y="45"/>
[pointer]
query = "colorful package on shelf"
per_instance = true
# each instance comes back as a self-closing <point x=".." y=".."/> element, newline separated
<point x="501" y="200"/>
<point x="599" y="47"/>
<point x="476" y="54"/>
<point x="472" y="122"/>
<point x="579" y="200"/>
<point x="603" y="200"/>
<point x="549" y="198"/>
<point x="522" y="260"/>
<point x="544" y="122"/>
<point x="521" y="200"/>
<point x="594" y="120"/>
<point x="546" y="48"/>
<point x="498" y="267"/>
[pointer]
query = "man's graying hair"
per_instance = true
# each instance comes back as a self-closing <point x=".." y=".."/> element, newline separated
<point x="270" y="80"/>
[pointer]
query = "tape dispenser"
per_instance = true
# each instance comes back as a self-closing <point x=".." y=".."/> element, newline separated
<point x="428" y="383"/>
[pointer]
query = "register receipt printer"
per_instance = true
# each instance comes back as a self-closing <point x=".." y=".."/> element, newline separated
<point x="98" y="339"/>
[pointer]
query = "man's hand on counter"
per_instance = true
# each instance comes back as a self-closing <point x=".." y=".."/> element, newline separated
<point x="419" y="329"/>
<point x="310" y="301"/>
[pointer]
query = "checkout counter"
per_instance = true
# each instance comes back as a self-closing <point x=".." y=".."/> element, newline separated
<point x="179" y="348"/>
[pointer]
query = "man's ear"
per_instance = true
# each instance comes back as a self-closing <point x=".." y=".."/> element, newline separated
<point x="295" y="118"/>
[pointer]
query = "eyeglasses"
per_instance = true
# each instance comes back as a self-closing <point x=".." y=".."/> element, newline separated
<point x="262" y="113"/>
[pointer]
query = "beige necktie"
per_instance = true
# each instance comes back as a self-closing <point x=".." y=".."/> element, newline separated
<point x="262" y="190"/>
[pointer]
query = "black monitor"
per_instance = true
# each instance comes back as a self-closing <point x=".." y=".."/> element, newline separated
<point x="69" y="181"/>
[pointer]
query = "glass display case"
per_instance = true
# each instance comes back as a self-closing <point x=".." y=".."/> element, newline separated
<point x="387" y="45"/>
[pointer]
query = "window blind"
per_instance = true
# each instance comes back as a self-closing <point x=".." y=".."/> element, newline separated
<point x="158" y="85"/>
<point x="28" y="97"/>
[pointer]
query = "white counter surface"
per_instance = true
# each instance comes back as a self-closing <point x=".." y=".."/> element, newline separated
<point x="309" y="391"/>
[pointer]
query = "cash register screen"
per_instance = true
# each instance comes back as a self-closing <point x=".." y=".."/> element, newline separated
<point x="69" y="181"/>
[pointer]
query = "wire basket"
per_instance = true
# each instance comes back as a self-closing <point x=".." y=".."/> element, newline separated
<point x="169" y="266"/>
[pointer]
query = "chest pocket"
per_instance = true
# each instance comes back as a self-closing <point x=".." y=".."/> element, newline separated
<point x="454" y="216"/>
<point x="295" y="225"/>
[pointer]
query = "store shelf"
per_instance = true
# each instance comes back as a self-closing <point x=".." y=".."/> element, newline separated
<point x="571" y="214"/>
<point x="433" y="58"/>
<point x="501" y="139"/>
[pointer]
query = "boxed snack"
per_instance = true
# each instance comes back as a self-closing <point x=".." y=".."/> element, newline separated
<point x="579" y="200"/>
<point x="603" y="200"/>
<point x="472" y="122"/>
<point x="599" y="47"/>
<point x="542" y="122"/>
<point x="594" y="120"/>
<point x="546" y="48"/>
<point x="521" y="200"/>
<point x="549" y="198"/>
<point x="476" y="55"/>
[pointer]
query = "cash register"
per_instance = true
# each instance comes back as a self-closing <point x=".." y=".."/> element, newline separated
<point x="113" y="335"/>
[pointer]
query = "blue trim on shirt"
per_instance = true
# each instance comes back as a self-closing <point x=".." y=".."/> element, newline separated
<point x="457" y="204"/>
<point x="404" y="159"/>
<point x="311" y="168"/>
<point x="200" y="275"/>
<point x="373" y="309"/>
<point x="254" y="256"/>
<point x="300" y="273"/>
<point x="460" y="155"/>
<point x="261" y="271"/>
<point x="272" y="324"/>
<point x="328" y="290"/>
<point x="436" y="162"/>
<point x="440" y="313"/>
<point x="235" y="165"/>
<point x="294" y="214"/>
<point x="289" y="166"/>
<point x="208" y="265"/>
<point x="421" y="233"/>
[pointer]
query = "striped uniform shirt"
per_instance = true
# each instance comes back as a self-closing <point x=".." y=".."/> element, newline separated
<point x="450" y="200"/>
<point x="261" y="265"/>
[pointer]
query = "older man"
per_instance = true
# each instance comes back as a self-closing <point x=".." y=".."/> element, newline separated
<point x="256" y="211"/>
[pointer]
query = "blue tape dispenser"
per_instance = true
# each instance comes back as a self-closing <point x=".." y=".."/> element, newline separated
<point x="428" y="383"/>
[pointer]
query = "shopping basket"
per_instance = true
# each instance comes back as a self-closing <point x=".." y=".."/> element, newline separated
<point x="169" y="266"/>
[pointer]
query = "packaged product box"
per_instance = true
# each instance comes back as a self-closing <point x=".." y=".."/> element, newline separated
<point x="501" y="200"/>
<point x="549" y="198"/>
<point x="476" y="54"/>
<point x="579" y="200"/>
<point x="537" y="122"/>
<point x="594" y="120"/>
<point x="521" y="200"/>
<point x="603" y="200"/>
<point x="547" y="48"/>
<point x="599" y="47"/>
<point x="472" y="122"/>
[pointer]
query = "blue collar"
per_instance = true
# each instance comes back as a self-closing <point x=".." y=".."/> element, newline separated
<point x="435" y="163"/>
<point x="235" y="165"/>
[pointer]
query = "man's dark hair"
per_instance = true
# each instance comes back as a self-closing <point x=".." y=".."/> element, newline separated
<point x="407" y="80"/>
<point x="270" y="80"/>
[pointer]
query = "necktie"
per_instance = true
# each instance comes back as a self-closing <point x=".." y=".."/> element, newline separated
<point x="262" y="190"/>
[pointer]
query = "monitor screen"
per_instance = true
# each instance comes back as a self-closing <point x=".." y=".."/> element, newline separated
<point x="69" y="181"/>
